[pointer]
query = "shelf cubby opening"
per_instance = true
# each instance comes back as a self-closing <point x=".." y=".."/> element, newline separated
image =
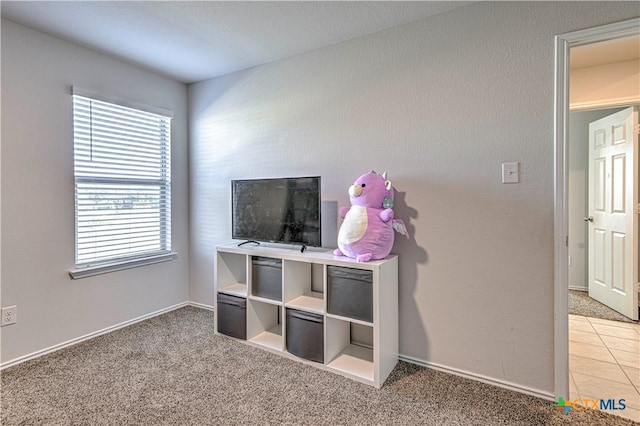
<point x="264" y="324"/>
<point x="232" y="274"/>
<point x="305" y="286"/>
<point x="349" y="348"/>
<point x="266" y="278"/>
<point x="232" y="316"/>
<point x="305" y="334"/>
<point x="350" y="293"/>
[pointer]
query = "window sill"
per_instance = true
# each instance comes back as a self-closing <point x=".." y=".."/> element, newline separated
<point x="90" y="271"/>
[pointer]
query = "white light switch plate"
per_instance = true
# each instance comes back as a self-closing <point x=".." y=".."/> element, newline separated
<point x="510" y="172"/>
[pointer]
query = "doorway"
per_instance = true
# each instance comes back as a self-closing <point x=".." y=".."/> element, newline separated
<point x="563" y="45"/>
<point x="604" y="345"/>
<point x="602" y="196"/>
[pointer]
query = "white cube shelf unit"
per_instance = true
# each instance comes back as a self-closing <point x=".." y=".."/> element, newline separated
<point x="362" y="350"/>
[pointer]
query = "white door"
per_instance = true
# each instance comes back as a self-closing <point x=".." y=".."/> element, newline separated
<point x="613" y="200"/>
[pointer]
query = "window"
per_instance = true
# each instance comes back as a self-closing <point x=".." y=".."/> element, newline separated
<point x="122" y="171"/>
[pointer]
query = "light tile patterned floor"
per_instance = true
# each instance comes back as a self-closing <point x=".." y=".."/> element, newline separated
<point x="604" y="362"/>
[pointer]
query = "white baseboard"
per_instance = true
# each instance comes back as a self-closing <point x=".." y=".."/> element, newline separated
<point x="89" y="336"/>
<point x="411" y="360"/>
<point x="200" y="305"/>
<point x="477" y="377"/>
<point x="573" y="287"/>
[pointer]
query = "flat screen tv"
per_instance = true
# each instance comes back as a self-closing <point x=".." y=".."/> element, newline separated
<point x="281" y="210"/>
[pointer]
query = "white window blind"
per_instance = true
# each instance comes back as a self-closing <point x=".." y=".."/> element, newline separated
<point x="122" y="170"/>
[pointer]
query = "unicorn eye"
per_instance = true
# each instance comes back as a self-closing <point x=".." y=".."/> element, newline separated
<point x="363" y="185"/>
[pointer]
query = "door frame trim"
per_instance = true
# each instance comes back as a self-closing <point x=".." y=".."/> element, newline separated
<point x="563" y="43"/>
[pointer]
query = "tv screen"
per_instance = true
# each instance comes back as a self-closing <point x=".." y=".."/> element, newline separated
<point x="283" y="210"/>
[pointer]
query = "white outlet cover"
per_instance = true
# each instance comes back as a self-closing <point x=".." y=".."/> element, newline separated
<point x="9" y="316"/>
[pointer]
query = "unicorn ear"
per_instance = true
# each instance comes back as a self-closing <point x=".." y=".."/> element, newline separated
<point x="384" y="176"/>
<point x="387" y="184"/>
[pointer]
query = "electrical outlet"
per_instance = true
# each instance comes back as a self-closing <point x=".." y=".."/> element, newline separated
<point x="9" y="315"/>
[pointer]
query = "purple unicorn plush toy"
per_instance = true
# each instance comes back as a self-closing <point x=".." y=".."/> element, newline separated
<point x="367" y="230"/>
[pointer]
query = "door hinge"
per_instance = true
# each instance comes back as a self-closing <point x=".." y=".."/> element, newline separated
<point x="566" y="241"/>
<point x="637" y="129"/>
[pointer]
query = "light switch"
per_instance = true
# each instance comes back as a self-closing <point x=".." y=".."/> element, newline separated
<point x="510" y="172"/>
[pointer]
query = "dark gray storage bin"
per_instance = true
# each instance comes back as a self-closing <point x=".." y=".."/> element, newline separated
<point x="232" y="316"/>
<point x="350" y="293"/>
<point x="266" y="277"/>
<point x="304" y="337"/>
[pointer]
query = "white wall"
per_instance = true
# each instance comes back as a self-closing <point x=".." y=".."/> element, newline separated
<point x="37" y="194"/>
<point x="439" y="104"/>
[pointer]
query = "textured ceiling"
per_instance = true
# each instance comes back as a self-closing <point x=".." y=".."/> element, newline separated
<point x="193" y="41"/>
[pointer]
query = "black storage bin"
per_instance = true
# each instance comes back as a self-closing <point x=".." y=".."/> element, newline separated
<point x="266" y="277"/>
<point x="350" y="293"/>
<point x="232" y="316"/>
<point x="305" y="335"/>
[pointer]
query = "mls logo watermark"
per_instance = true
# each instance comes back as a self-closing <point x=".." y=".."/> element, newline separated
<point x="581" y="404"/>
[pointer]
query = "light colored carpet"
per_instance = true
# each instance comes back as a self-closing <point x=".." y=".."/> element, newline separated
<point x="581" y="304"/>
<point x="173" y="370"/>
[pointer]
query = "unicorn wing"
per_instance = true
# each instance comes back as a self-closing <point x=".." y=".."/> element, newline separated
<point x="399" y="226"/>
